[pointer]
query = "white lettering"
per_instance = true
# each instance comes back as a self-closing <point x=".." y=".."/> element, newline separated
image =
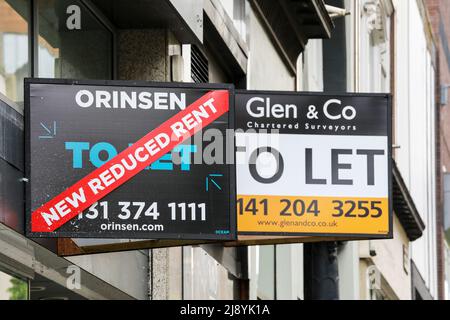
<point x="62" y="208"/>
<point x="102" y="98"/>
<point x="117" y="171"/>
<point x="146" y="101"/>
<point x="49" y="217"/>
<point x="178" y="129"/>
<point x="126" y="99"/>
<point x="106" y="178"/>
<point x="138" y="155"/>
<point x="189" y="122"/>
<point x="73" y="21"/>
<point x="210" y="105"/>
<point x="161" y="101"/>
<point x="77" y="198"/>
<point x="122" y="99"/>
<point x="163" y="140"/>
<point x="180" y="102"/>
<point x="88" y="94"/>
<point x="151" y="147"/>
<point x="278" y="111"/>
<point x="96" y="185"/>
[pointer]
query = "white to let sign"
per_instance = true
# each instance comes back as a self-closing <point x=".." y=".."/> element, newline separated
<point x="313" y="164"/>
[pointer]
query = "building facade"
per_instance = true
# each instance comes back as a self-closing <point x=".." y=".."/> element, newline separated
<point x="440" y="20"/>
<point x="380" y="46"/>
<point x="399" y="57"/>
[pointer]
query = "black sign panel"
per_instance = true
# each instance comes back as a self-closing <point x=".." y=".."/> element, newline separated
<point x="74" y="127"/>
<point x="313" y="113"/>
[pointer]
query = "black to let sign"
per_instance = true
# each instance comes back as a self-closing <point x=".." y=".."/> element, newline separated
<point x="75" y="127"/>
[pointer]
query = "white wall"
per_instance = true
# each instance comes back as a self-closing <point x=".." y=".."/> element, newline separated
<point x="311" y="60"/>
<point x="126" y="271"/>
<point x="369" y="71"/>
<point x="415" y="125"/>
<point x="414" y="117"/>
<point x="267" y="71"/>
<point x="204" y="277"/>
<point x="390" y="262"/>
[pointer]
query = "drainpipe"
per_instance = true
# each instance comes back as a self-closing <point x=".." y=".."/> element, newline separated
<point x="321" y="258"/>
<point x="321" y="271"/>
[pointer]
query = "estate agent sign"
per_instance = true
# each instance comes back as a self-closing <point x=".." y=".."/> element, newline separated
<point x="108" y="159"/>
<point x="313" y="164"/>
<point x="116" y="160"/>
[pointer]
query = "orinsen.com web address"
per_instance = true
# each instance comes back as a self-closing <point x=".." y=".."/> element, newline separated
<point x="112" y="226"/>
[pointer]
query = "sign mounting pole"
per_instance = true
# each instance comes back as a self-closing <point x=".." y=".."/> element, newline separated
<point x="321" y="258"/>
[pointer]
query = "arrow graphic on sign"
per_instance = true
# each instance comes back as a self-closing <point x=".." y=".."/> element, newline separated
<point x="51" y="133"/>
<point x="209" y="179"/>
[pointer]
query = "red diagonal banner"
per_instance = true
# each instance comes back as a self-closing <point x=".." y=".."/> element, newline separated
<point x="129" y="162"/>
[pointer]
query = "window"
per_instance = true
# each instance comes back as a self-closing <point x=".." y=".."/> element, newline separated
<point x="14" y="55"/>
<point x="236" y="11"/>
<point x="447" y="271"/>
<point x="12" y="288"/>
<point x="72" y="43"/>
<point x="266" y="274"/>
<point x="447" y="206"/>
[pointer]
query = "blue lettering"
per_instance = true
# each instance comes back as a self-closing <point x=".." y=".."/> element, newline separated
<point x="185" y="152"/>
<point x="94" y="154"/>
<point x="165" y="163"/>
<point x="77" y="148"/>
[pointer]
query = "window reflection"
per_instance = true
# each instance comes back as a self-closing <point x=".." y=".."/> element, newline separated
<point x="447" y="206"/>
<point x="68" y="52"/>
<point x="14" y="17"/>
<point x="12" y="288"/>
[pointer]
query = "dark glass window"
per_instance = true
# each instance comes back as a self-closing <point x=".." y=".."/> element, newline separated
<point x="73" y="43"/>
<point x="14" y="55"/>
